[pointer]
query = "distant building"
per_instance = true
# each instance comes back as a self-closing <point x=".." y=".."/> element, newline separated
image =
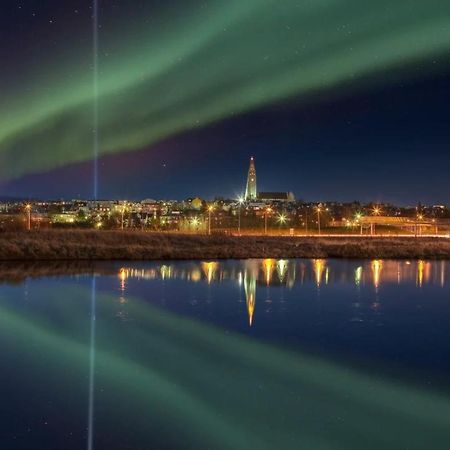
<point x="250" y="190"/>
<point x="276" y="197"/>
<point x="252" y="195"/>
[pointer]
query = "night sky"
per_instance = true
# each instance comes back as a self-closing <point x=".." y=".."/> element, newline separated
<point x="336" y="99"/>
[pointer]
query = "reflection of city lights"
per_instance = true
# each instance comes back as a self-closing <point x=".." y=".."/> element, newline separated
<point x="123" y="275"/>
<point x="318" y="267"/>
<point x="290" y="281"/>
<point x="282" y="265"/>
<point x="268" y="268"/>
<point x="377" y="265"/>
<point x="420" y="271"/>
<point x="165" y="271"/>
<point x="209" y="269"/>
<point x="196" y="275"/>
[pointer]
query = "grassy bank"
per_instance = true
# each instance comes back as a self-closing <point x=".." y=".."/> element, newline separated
<point x="125" y="245"/>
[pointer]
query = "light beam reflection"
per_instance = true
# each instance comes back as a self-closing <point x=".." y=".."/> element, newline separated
<point x="90" y="425"/>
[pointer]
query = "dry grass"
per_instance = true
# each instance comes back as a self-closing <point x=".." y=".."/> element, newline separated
<point x="120" y="245"/>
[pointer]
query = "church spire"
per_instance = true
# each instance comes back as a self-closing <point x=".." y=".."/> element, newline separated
<point x="250" y="190"/>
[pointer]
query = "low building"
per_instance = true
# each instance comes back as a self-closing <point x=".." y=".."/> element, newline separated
<point x="276" y="196"/>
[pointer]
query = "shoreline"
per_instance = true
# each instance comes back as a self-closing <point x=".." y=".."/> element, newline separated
<point x="91" y="245"/>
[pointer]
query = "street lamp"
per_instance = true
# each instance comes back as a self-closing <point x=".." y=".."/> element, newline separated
<point x="376" y="211"/>
<point x="28" y="209"/>
<point x="210" y="210"/>
<point x="266" y="212"/>
<point x="419" y="225"/>
<point x="318" y="210"/>
<point x="123" y="213"/>
<point x="281" y="219"/>
<point x="306" y="220"/>
<point x="240" y="201"/>
<point x="358" y="217"/>
<point x="195" y="223"/>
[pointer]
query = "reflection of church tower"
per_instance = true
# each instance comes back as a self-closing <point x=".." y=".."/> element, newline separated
<point x="250" y="294"/>
<point x="250" y="190"/>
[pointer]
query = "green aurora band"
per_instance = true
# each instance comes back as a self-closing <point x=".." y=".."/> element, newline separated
<point x="184" y="383"/>
<point x="191" y="67"/>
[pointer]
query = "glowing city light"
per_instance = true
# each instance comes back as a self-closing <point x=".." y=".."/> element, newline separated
<point x="376" y="211"/>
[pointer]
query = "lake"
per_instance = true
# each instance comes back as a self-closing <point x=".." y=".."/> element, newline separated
<point x="254" y="354"/>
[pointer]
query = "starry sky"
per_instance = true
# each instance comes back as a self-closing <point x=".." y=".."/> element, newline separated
<point x="335" y="99"/>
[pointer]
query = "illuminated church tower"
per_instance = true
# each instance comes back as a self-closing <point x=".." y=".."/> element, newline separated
<point x="250" y="190"/>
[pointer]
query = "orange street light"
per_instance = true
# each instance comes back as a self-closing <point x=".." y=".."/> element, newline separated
<point x="268" y="210"/>
<point x="376" y="211"/>
<point x="210" y="210"/>
<point x="318" y="210"/>
<point x="28" y="209"/>
<point x="124" y="206"/>
<point x="240" y="202"/>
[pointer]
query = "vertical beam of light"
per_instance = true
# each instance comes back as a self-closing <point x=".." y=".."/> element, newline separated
<point x="90" y="440"/>
<point x="95" y="148"/>
<point x="95" y="143"/>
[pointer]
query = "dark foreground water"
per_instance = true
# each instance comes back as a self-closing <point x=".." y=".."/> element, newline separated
<point x="258" y="354"/>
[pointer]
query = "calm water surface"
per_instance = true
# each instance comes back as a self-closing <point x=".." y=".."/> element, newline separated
<point x="256" y="354"/>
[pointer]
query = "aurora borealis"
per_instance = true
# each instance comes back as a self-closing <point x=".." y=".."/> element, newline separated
<point x="170" y="68"/>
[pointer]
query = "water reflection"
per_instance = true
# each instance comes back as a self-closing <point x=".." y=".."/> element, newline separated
<point x="376" y="265"/>
<point x="250" y="274"/>
<point x="171" y="373"/>
<point x="319" y="266"/>
<point x="250" y="295"/>
<point x="272" y="272"/>
<point x="198" y="368"/>
<point x="268" y="266"/>
<point x="209" y="270"/>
